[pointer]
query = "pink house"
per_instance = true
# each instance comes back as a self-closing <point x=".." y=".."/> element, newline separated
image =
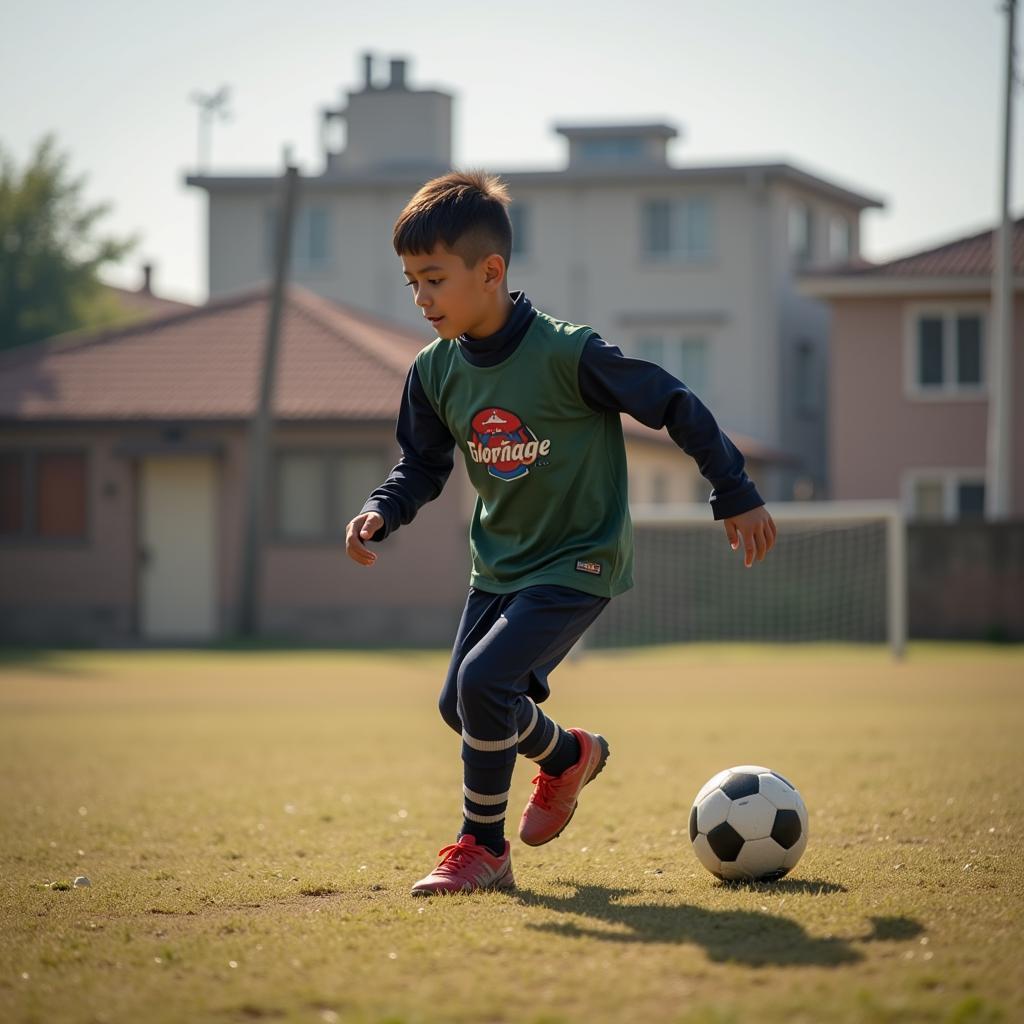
<point x="908" y="395"/>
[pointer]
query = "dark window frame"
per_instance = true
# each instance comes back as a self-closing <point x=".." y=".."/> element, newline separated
<point x="28" y="536"/>
<point x="330" y="460"/>
<point x="662" y="216"/>
<point x="949" y="316"/>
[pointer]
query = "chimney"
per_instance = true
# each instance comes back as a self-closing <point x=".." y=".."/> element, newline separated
<point x="147" y="279"/>
<point x="397" y="75"/>
<point x="367" y="71"/>
<point x="392" y="126"/>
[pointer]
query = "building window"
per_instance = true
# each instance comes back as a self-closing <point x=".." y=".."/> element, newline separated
<point x="946" y="352"/>
<point x="611" y="150"/>
<point x="13" y="494"/>
<point x="659" y="488"/>
<point x="840" y="239"/>
<point x="677" y="230"/>
<point x="43" y="495"/>
<point x="806" y="378"/>
<point x="317" y="493"/>
<point x="519" y="214"/>
<point x="685" y="357"/>
<point x="302" y="497"/>
<point x="310" y="245"/>
<point x="947" y="495"/>
<point x="356" y="475"/>
<point x="801" y="233"/>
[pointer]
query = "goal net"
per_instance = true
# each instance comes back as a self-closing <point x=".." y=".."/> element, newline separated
<point x="836" y="573"/>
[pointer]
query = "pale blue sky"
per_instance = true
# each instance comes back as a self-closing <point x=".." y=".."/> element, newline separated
<point x="900" y="99"/>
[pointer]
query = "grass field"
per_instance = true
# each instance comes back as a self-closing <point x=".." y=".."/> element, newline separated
<point x="251" y="824"/>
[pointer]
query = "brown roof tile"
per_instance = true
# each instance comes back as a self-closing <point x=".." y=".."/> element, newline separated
<point x="146" y="303"/>
<point x="968" y="257"/>
<point x="204" y="363"/>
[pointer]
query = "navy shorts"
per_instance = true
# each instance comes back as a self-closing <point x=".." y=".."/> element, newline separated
<point x="506" y="646"/>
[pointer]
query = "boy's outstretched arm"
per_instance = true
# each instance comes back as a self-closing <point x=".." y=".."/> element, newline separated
<point x="427" y="460"/>
<point x="612" y="382"/>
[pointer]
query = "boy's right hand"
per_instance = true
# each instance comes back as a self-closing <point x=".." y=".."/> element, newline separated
<point x="363" y="527"/>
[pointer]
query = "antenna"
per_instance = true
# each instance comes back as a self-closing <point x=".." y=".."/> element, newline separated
<point x="210" y="105"/>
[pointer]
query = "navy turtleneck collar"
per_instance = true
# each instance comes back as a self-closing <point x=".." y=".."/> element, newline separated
<point x="497" y="347"/>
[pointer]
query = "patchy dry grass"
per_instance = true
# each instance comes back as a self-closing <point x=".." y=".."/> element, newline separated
<point x="251" y="824"/>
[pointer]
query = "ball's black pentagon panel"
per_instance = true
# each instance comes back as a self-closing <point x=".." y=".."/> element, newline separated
<point x="784" y="779"/>
<point x="786" y="830"/>
<point x="693" y="823"/>
<point x="725" y="841"/>
<point x="738" y="786"/>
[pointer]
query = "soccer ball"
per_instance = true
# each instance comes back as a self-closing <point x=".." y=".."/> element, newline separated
<point x="748" y="823"/>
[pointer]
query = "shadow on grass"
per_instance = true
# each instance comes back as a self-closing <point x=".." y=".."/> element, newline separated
<point x="805" y="886"/>
<point x="728" y="936"/>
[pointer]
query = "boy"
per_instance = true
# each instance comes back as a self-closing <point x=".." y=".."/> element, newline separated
<point x="533" y="403"/>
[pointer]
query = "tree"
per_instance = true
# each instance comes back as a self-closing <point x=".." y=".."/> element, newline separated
<point x="48" y="261"/>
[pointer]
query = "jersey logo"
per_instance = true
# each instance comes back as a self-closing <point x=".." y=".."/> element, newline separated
<point x="504" y="443"/>
<point x="585" y="565"/>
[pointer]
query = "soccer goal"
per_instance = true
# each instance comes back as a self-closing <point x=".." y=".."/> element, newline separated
<point x="837" y="573"/>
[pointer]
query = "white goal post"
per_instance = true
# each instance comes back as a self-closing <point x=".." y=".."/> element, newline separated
<point x="837" y="573"/>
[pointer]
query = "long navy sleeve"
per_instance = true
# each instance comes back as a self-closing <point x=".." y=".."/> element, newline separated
<point x="427" y="460"/>
<point x="612" y="382"/>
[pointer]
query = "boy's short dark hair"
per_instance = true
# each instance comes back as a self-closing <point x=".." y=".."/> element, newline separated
<point x="467" y="211"/>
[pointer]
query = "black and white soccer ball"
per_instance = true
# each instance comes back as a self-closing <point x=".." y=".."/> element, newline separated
<point x="748" y="824"/>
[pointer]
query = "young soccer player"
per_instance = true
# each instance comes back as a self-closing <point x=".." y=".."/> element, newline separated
<point x="533" y="404"/>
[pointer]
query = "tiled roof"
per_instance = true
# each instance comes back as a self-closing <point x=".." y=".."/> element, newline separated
<point x="204" y="363"/>
<point x="146" y="303"/>
<point x="966" y="257"/>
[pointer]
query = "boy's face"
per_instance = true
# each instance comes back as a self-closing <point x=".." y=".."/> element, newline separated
<point x="453" y="297"/>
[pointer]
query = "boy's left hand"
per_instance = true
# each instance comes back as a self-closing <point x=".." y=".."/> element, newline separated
<point x="757" y="528"/>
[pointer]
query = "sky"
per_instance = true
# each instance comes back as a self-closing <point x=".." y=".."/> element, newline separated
<point x="901" y="100"/>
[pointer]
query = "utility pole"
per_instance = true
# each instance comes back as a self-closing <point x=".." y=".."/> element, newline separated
<point x="999" y="453"/>
<point x="259" y="443"/>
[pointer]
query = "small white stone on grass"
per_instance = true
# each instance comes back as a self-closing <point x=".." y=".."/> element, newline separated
<point x="81" y="881"/>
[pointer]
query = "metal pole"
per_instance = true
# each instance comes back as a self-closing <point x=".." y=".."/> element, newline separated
<point x="999" y="461"/>
<point x="259" y="447"/>
<point x="896" y="530"/>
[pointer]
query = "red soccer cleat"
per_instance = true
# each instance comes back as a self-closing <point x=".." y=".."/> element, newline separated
<point x="465" y="867"/>
<point x="554" y="798"/>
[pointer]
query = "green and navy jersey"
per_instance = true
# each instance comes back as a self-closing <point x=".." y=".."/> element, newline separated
<point x="535" y="412"/>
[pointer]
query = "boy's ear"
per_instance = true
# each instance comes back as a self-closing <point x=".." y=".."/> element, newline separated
<point x="493" y="267"/>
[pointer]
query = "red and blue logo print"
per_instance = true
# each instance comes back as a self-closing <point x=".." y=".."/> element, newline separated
<point x="504" y="443"/>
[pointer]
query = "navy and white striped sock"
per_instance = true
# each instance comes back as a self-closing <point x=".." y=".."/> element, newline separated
<point x="485" y="798"/>
<point x="543" y="740"/>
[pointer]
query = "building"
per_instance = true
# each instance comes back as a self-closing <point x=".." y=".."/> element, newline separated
<point x="692" y="266"/>
<point x="908" y="385"/>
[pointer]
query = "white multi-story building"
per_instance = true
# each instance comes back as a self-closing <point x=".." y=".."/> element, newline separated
<point x="691" y="266"/>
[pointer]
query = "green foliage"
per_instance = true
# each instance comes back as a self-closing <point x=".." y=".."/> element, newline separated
<point x="48" y="257"/>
